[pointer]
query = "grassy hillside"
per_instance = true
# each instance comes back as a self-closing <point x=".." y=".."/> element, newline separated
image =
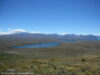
<point x="82" y="58"/>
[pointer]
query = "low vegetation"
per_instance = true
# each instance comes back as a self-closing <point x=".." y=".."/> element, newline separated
<point x="81" y="58"/>
<point x="53" y="66"/>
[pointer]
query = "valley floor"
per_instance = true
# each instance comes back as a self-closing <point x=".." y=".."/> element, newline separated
<point x="67" y="59"/>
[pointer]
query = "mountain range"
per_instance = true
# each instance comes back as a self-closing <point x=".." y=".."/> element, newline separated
<point x="52" y="36"/>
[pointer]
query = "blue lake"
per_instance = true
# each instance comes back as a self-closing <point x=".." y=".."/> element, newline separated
<point x="39" y="45"/>
<point x="43" y="45"/>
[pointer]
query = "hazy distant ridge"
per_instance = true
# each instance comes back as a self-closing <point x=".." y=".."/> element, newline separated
<point x="55" y="36"/>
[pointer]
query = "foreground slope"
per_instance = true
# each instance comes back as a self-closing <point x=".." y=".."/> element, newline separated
<point x="79" y="58"/>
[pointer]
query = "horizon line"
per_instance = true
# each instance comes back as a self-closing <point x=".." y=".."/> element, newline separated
<point x="13" y="31"/>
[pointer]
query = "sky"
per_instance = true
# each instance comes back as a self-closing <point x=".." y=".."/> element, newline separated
<point x="50" y="16"/>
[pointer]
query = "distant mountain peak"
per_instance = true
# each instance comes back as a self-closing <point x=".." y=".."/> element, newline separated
<point x="55" y="36"/>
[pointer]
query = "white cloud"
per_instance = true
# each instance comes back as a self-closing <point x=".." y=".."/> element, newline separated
<point x="11" y="31"/>
<point x="16" y="30"/>
<point x="62" y="33"/>
<point x="97" y="34"/>
<point x="5" y="33"/>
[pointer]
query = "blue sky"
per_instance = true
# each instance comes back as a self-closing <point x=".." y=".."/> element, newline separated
<point x="51" y="16"/>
